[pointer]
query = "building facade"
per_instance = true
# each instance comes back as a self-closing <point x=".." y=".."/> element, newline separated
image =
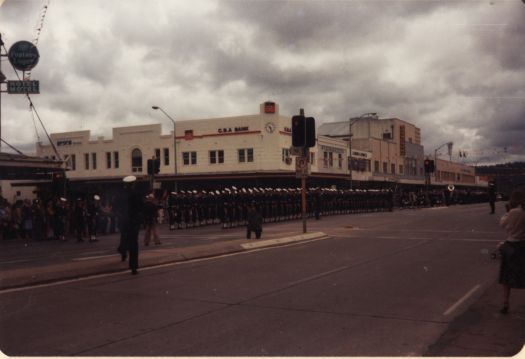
<point x="251" y="146"/>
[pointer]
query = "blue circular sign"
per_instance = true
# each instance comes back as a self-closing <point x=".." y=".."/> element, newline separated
<point x="23" y="55"/>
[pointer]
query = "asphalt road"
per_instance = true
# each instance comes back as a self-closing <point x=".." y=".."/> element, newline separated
<point x="384" y="284"/>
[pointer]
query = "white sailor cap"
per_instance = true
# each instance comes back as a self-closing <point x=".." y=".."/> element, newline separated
<point x="129" y="179"/>
<point x="96" y="197"/>
<point x="62" y="199"/>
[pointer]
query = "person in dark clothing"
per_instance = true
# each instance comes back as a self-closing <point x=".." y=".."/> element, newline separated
<point x="80" y="219"/>
<point x="492" y="196"/>
<point x="255" y="220"/>
<point x="130" y="220"/>
<point x="92" y="215"/>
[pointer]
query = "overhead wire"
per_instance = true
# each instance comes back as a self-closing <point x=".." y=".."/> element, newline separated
<point x="32" y="106"/>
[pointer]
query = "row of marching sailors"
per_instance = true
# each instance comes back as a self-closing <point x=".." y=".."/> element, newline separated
<point x="441" y="197"/>
<point x="230" y="206"/>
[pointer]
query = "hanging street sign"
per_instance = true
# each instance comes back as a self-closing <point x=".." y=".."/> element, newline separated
<point x="23" y="87"/>
<point x="23" y="55"/>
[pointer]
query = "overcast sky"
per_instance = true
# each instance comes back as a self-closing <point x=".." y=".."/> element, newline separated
<point x="456" y="69"/>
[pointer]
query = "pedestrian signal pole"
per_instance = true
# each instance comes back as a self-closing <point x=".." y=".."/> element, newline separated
<point x="303" y="137"/>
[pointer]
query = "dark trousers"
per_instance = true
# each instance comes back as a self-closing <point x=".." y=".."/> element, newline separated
<point x="257" y="231"/>
<point x="492" y="206"/>
<point x="129" y="242"/>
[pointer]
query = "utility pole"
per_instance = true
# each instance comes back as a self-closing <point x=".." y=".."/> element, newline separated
<point x="303" y="180"/>
<point x="2" y="79"/>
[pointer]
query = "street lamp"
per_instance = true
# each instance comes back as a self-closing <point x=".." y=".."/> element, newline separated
<point x="174" y="144"/>
<point x="449" y="144"/>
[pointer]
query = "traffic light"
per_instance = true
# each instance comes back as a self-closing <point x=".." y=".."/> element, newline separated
<point x="310" y="132"/>
<point x="298" y="131"/>
<point x="153" y="166"/>
<point x="58" y="181"/>
<point x="427" y="165"/>
<point x="156" y="165"/>
<point x="431" y="166"/>
<point x="303" y="131"/>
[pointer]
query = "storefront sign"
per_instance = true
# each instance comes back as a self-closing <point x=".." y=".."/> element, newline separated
<point x="234" y="129"/>
<point x="23" y="87"/>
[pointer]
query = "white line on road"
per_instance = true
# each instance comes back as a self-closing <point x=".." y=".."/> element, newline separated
<point x="94" y="257"/>
<point x="16" y="261"/>
<point x="462" y="300"/>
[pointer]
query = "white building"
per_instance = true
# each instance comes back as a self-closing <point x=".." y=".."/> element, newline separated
<point x="250" y="146"/>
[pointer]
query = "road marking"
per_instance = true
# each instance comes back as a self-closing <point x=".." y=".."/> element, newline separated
<point x="462" y="300"/>
<point x="16" y="261"/>
<point x="94" y="257"/>
<point x="468" y="240"/>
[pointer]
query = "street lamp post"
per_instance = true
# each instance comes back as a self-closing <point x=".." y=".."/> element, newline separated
<point x="174" y="145"/>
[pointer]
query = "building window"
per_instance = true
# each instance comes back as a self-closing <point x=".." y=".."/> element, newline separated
<point x="376" y="166"/>
<point x="325" y="159"/>
<point x="400" y="169"/>
<point x="136" y="160"/>
<point x="115" y="159"/>
<point x="340" y="160"/>
<point x="330" y="159"/>
<point x="108" y="159"/>
<point x="393" y="168"/>
<point x="166" y="156"/>
<point x="385" y="167"/>
<point x="157" y="153"/>
<point x="94" y="160"/>
<point x="71" y="162"/>
<point x="189" y="158"/>
<point x="216" y="157"/>
<point x="86" y="160"/>
<point x="312" y="158"/>
<point x="245" y="154"/>
<point x="285" y="153"/>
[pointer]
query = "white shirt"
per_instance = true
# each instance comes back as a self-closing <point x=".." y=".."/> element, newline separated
<point x="514" y="223"/>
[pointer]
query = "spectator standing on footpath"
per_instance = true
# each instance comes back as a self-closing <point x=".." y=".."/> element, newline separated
<point x="150" y="220"/>
<point x="80" y="219"/>
<point x="92" y="215"/>
<point x="512" y="269"/>
<point x="131" y="211"/>
<point x="27" y="219"/>
<point x="492" y="196"/>
<point x="255" y="220"/>
<point x="60" y="217"/>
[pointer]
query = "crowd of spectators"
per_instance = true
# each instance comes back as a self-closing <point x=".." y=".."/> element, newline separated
<point x="56" y="218"/>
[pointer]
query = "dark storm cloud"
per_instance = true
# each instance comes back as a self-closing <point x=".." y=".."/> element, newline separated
<point x="453" y="68"/>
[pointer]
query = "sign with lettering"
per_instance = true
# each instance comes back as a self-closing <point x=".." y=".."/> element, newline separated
<point x="22" y="87"/>
<point x="235" y="129"/>
<point x="23" y="55"/>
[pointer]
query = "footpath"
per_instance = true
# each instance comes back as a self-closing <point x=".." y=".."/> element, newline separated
<point x="480" y="331"/>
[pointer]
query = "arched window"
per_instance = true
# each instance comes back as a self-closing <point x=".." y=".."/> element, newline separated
<point x="136" y="160"/>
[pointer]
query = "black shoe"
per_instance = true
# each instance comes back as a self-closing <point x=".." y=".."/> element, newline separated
<point x="123" y="257"/>
<point x="134" y="272"/>
<point x="504" y="310"/>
